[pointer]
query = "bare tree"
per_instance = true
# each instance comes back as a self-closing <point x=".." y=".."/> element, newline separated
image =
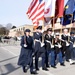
<point x="1" y="25"/>
<point x="8" y="26"/>
<point x="3" y="31"/>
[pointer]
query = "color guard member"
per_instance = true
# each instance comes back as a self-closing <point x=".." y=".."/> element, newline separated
<point x="25" y="57"/>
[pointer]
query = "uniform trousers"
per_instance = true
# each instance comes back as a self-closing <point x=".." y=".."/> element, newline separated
<point x="51" y="62"/>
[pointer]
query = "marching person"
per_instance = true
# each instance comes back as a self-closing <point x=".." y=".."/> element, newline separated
<point x="72" y="46"/>
<point x="49" y="48"/>
<point x="39" y="51"/>
<point x="25" y="57"/>
<point x="57" y="48"/>
<point x="65" y="46"/>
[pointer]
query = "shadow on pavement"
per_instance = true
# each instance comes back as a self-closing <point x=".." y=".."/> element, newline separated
<point x="10" y="68"/>
<point x="8" y="59"/>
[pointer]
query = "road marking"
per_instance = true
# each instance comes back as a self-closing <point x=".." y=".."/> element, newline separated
<point x="8" y="51"/>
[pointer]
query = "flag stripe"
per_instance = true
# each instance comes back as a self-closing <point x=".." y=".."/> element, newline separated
<point x="35" y="8"/>
<point x="33" y="5"/>
<point x="30" y="7"/>
<point x="36" y="11"/>
<point x="38" y="15"/>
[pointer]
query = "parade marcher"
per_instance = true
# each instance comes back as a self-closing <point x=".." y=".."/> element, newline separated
<point x="49" y="48"/>
<point x="57" y="48"/>
<point x="65" y="46"/>
<point x="25" y="57"/>
<point x="39" y="51"/>
<point x="72" y="46"/>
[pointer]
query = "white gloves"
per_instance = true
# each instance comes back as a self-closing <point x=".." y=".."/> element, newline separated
<point x="25" y="45"/>
<point x="74" y="46"/>
<point x="59" y="46"/>
<point x="52" y="46"/>
<point x="42" y="44"/>
<point x="67" y="44"/>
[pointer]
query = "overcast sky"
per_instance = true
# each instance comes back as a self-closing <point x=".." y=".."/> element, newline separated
<point x="14" y="11"/>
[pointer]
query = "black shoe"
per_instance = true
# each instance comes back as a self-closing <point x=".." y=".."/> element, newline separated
<point x="24" y="70"/>
<point x="33" y="72"/>
<point x="67" y="60"/>
<point x="62" y="64"/>
<point x="37" y="69"/>
<point x="72" y="63"/>
<point x="45" y="69"/>
<point x="48" y="66"/>
<point x="53" y="66"/>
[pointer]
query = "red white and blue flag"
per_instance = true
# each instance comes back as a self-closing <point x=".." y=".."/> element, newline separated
<point x="39" y="9"/>
<point x="36" y="11"/>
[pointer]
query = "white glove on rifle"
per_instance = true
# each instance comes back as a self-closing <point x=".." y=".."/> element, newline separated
<point x="67" y="44"/>
<point x="74" y="46"/>
<point x="52" y="46"/>
<point x="42" y="44"/>
<point x="25" y="45"/>
<point x="59" y="46"/>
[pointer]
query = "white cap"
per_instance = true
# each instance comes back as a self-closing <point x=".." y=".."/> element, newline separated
<point x="57" y="34"/>
<point x="65" y="29"/>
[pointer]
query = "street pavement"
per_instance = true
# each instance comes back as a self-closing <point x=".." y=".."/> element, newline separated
<point x="9" y="54"/>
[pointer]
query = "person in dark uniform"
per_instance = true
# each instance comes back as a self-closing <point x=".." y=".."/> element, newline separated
<point x="25" y="57"/>
<point x="65" y="46"/>
<point x="49" y="48"/>
<point x="39" y="50"/>
<point x="57" y="48"/>
<point x="72" y="46"/>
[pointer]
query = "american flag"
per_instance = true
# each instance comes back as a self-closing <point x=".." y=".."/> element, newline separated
<point x="36" y="11"/>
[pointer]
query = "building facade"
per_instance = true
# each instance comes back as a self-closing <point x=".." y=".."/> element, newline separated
<point x="19" y="31"/>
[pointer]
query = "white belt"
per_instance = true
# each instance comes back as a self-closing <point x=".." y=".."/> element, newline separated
<point x="37" y="40"/>
<point x="59" y="46"/>
<point x="42" y="44"/>
<point x="52" y="46"/>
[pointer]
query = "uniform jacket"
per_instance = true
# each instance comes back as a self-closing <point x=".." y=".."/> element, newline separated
<point x="37" y="46"/>
<point x="66" y="38"/>
<point x="57" y="49"/>
<point x="37" y="36"/>
<point x="72" y="39"/>
<point x="25" y="57"/>
<point x="49" y="38"/>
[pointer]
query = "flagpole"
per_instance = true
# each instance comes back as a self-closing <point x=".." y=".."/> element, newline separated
<point x="61" y="29"/>
<point x="43" y="31"/>
<point x="71" y="23"/>
<point x="53" y="24"/>
<point x="53" y="27"/>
